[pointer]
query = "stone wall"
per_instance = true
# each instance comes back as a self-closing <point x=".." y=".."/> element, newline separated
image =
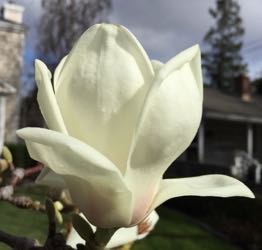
<point x="11" y="61"/>
<point x="2" y="120"/>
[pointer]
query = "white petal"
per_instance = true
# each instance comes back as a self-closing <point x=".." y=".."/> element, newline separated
<point x="74" y="238"/>
<point x="168" y="123"/>
<point x="206" y="185"/>
<point x="58" y="70"/>
<point x="122" y="236"/>
<point x="127" y="235"/>
<point x="157" y="65"/>
<point x="104" y="200"/>
<point x="192" y="56"/>
<point x="102" y="87"/>
<point x="46" y="98"/>
<point x="49" y="178"/>
<point x="150" y="221"/>
<point x="95" y="184"/>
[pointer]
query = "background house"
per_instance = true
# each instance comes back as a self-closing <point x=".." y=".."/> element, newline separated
<point x="231" y="123"/>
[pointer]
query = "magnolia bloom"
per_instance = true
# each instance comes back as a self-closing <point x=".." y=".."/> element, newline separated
<point x="123" y="235"/>
<point x="116" y="122"/>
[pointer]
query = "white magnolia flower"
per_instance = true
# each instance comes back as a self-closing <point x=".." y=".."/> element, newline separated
<point x="116" y="122"/>
<point x="123" y="235"/>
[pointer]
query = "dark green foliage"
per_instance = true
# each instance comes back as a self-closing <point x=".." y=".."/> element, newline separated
<point x="20" y="155"/>
<point x="240" y="219"/>
<point x="222" y="61"/>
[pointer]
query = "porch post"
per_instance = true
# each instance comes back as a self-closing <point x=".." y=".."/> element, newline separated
<point x="201" y="142"/>
<point x="250" y="140"/>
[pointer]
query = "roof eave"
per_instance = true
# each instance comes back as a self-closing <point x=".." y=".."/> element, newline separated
<point x="231" y="117"/>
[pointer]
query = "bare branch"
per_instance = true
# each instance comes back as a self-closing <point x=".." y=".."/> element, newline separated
<point x="64" y="21"/>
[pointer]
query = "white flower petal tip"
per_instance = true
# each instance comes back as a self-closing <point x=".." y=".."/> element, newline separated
<point x="123" y="235"/>
<point x="46" y="98"/>
<point x="58" y="70"/>
<point x="190" y="56"/>
<point x="22" y="132"/>
<point x="41" y="71"/>
<point x="206" y="185"/>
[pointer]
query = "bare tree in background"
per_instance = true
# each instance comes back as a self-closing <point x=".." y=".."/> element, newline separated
<point x="63" y="21"/>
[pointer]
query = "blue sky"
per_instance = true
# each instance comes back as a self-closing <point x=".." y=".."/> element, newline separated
<point x="165" y="27"/>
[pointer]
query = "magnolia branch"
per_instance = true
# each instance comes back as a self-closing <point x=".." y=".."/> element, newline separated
<point x="54" y="241"/>
<point x="17" y="176"/>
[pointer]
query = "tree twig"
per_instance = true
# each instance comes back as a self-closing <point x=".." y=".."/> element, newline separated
<point x="18" y="175"/>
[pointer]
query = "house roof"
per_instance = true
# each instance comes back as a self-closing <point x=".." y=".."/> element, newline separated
<point x="218" y="105"/>
<point x="6" y="89"/>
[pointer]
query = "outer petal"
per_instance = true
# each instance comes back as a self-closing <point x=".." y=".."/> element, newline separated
<point x="58" y="71"/>
<point x="46" y="98"/>
<point x="169" y="122"/>
<point x="207" y="185"/>
<point x="102" y="87"/>
<point x="123" y="235"/>
<point x="95" y="184"/>
<point x="157" y="65"/>
<point x="49" y="178"/>
<point x="171" y="114"/>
